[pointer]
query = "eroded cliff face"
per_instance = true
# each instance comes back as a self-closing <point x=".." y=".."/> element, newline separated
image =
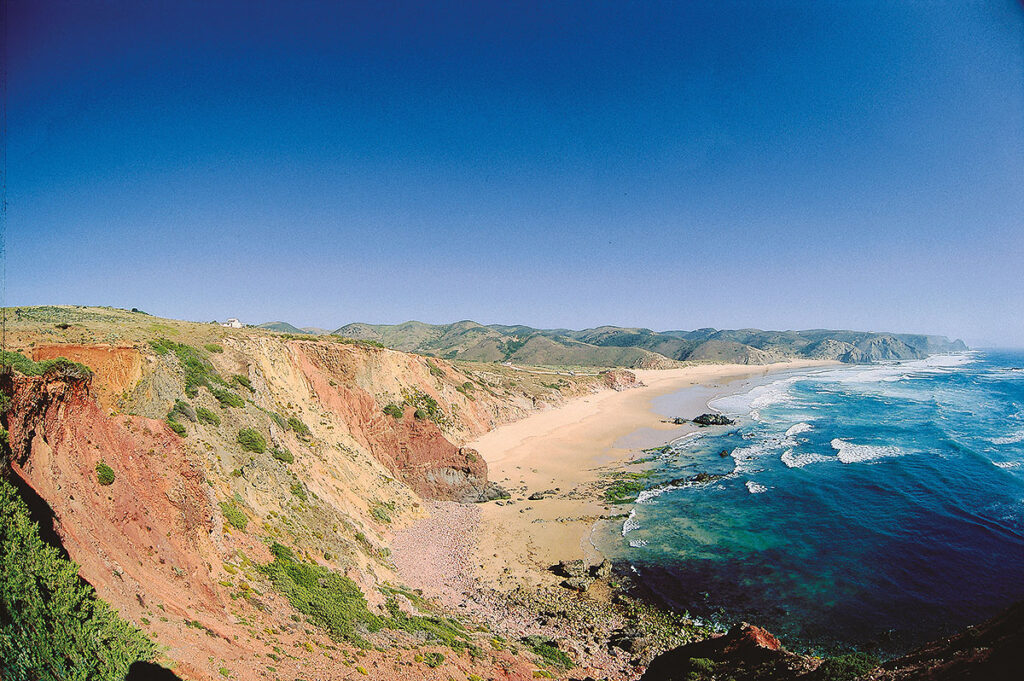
<point x="148" y="538"/>
<point x="355" y="384"/>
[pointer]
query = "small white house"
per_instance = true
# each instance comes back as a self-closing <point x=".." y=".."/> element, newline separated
<point x="232" y="323"/>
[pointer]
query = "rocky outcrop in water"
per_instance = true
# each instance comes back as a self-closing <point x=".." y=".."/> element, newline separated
<point x="713" y="420"/>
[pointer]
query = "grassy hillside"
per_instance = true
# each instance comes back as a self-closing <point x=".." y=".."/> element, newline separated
<point x="637" y="347"/>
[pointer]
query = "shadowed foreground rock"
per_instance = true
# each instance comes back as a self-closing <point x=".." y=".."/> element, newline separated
<point x="991" y="651"/>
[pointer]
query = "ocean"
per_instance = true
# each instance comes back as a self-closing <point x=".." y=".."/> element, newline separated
<point x="873" y="507"/>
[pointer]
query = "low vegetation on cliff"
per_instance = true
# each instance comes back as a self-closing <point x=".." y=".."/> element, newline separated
<point x="52" y="625"/>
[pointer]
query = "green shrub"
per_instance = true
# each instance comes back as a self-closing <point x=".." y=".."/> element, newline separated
<point x="104" y="474"/>
<point x="845" y="667"/>
<point x="206" y="416"/>
<point x="53" y="625"/>
<point x="379" y="511"/>
<point x="60" y="367"/>
<point x="420" y="413"/>
<point x="282" y="454"/>
<point x="244" y="382"/>
<point x="234" y="515"/>
<point x="433" y="660"/>
<point x="176" y="427"/>
<point x="435" y="370"/>
<point x="213" y="347"/>
<point x="328" y="598"/>
<point x="299" y="491"/>
<point x="298" y="426"/>
<point x="251" y="440"/>
<point x="394" y="410"/>
<point x="227" y="398"/>
<point x="546" y="649"/>
<point x="277" y="418"/>
<point x="183" y="409"/>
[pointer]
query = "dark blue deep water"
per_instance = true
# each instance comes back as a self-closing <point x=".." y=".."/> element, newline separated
<point x="874" y="507"/>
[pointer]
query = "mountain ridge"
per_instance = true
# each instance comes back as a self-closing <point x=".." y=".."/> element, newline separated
<point x="635" y="347"/>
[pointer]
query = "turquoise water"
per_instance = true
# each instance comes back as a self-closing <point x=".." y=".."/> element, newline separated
<point x="872" y="506"/>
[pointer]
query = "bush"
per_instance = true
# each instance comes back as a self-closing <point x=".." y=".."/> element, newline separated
<point x="335" y="602"/>
<point x="244" y="382"/>
<point x="206" y="416"/>
<point x="104" y="474"/>
<point x="227" y="398"/>
<point x="298" y="426"/>
<point x="283" y="455"/>
<point x="845" y="667"/>
<point x="433" y="660"/>
<point x="394" y="410"/>
<point x="235" y="517"/>
<point x="299" y="491"/>
<point x="251" y="440"/>
<point x="199" y="372"/>
<point x="182" y="408"/>
<point x="54" y="626"/>
<point x="213" y="347"/>
<point x="420" y="413"/>
<point x="546" y="649"/>
<point x="60" y="367"/>
<point x="176" y="427"/>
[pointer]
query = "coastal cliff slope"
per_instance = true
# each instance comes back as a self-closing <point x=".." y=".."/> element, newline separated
<point x="199" y="476"/>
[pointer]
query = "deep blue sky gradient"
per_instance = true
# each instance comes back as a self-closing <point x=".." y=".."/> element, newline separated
<point x="670" y="165"/>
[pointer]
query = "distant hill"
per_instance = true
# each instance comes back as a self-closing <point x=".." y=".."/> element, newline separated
<point x="282" y="327"/>
<point x="643" y="348"/>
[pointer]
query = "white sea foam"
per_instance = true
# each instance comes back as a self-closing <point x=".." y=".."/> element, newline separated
<point x="800" y="460"/>
<point x="649" y="495"/>
<point x="638" y="543"/>
<point x="745" y="458"/>
<point x="890" y="372"/>
<point x="755" y="488"/>
<point x="1010" y="439"/>
<point x="755" y="399"/>
<point x="798" y="428"/>
<point x="1007" y="464"/>
<point x="630" y="524"/>
<point x="854" y="453"/>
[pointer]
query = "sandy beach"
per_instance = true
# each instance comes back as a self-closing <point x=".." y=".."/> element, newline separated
<point x="564" y="450"/>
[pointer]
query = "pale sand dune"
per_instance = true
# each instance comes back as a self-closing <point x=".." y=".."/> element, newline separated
<point x="564" y="448"/>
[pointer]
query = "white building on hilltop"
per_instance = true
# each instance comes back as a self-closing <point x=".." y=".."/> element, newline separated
<point x="232" y="323"/>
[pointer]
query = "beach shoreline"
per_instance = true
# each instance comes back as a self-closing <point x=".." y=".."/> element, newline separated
<point x="562" y="453"/>
<point x="492" y="561"/>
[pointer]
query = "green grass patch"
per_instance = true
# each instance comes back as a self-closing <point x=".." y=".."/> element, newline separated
<point x="394" y="411"/>
<point x="53" y="624"/>
<point x="214" y="348"/>
<point x="252" y="441"/>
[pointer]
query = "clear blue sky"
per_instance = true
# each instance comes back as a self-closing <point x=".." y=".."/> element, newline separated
<point x="669" y="165"/>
